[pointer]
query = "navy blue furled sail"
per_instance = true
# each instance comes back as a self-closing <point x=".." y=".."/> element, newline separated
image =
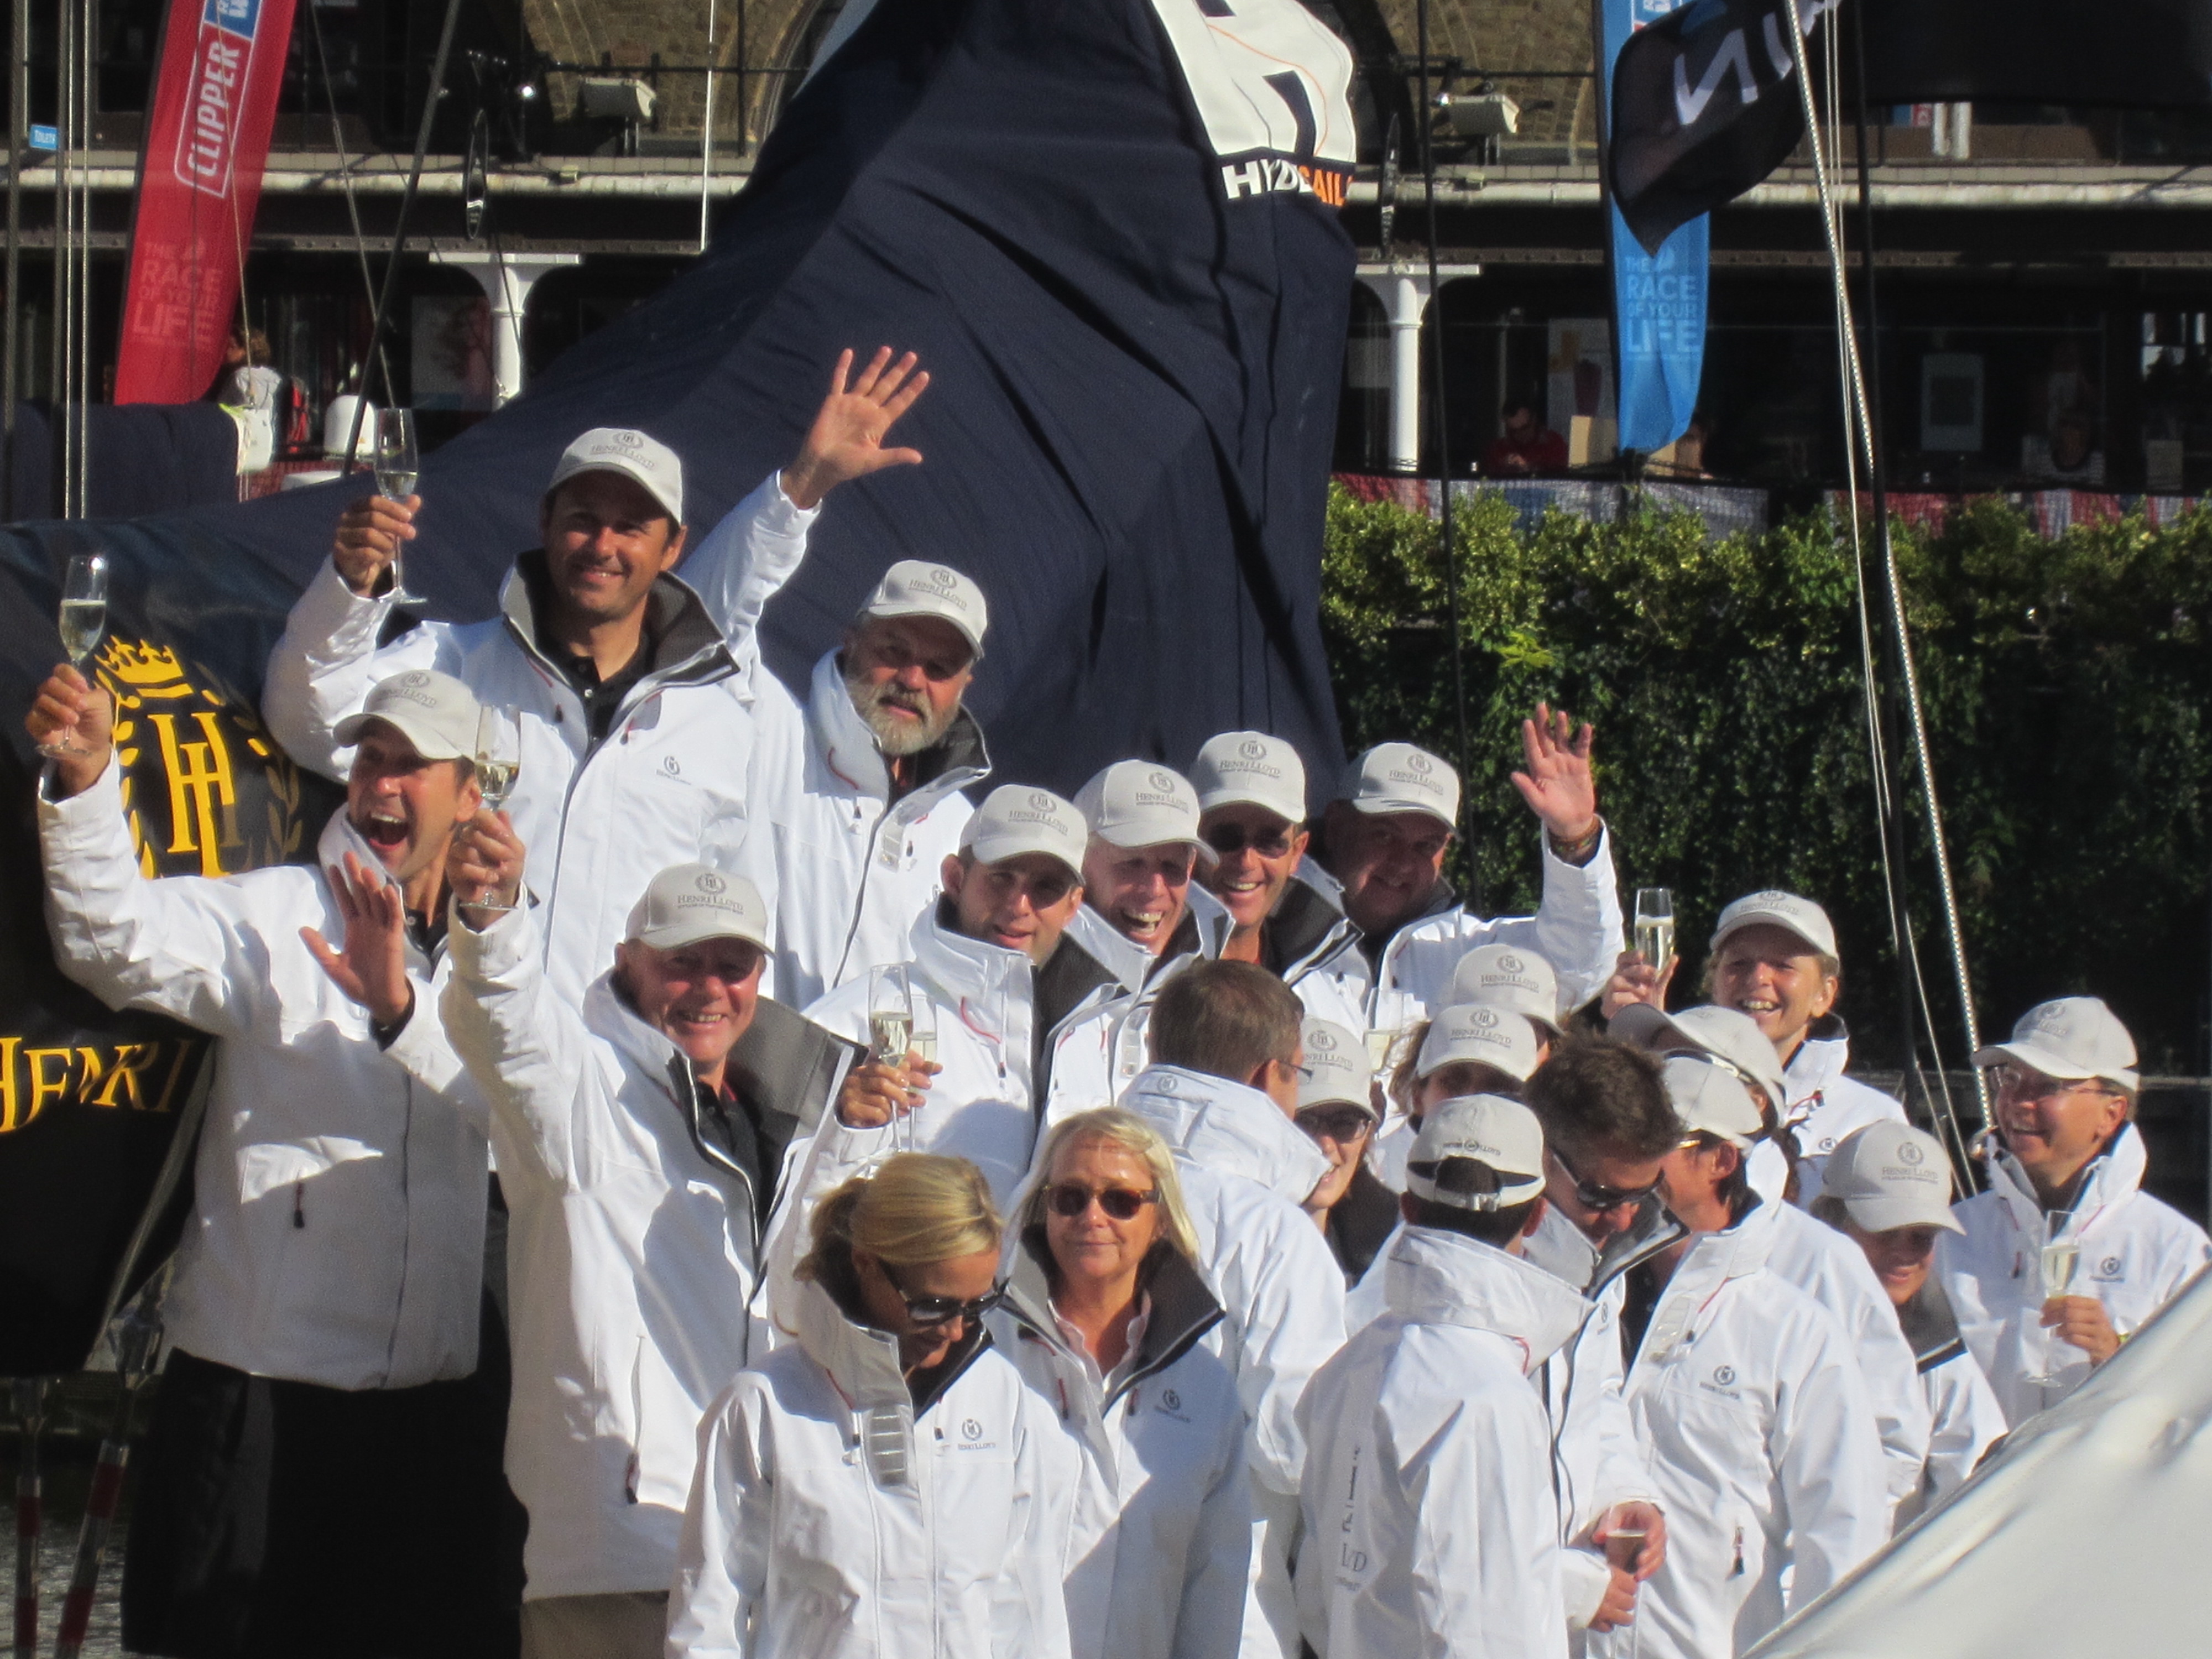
<point x="1108" y="226"/>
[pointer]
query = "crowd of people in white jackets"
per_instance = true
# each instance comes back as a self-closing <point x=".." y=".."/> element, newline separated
<point x="764" y="1190"/>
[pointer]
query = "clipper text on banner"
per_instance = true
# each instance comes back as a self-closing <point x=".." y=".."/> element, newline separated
<point x="199" y="181"/>
<point x="1658" y="299"/>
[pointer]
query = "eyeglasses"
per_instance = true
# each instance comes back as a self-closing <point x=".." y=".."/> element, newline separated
<point x="1228" y="838"/>
<point x="1591" y="1195"/>
<point x="1072" y="1198"/>
<point x="2024" y="1085"/>
<point x="928" y="1310"/>
<point x="1339" y="1123"/>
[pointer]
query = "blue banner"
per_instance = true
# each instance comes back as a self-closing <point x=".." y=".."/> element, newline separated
<point x="1658" y="300"/>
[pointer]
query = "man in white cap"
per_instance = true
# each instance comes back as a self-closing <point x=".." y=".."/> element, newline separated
<point x="2065" y="1255"/>
<point x="1889" y="1193"/>
<point x="1465" y="1049"/>
<point x="1283" y="908"/>
<point x="1432" y="1518"/>
<point x="1222" y="1091"/>
<point x="1746" y="1400"/>
<point x="1143" y="917"/>
<point x="644" y="1142"/>
<point x="1386" y="837"/>
<point x="1774" y="958"/>
<point x="636" y="717"/>
<point x="1336" y="1110"/>
<point x="990" y="970"/>
<point x="1814" y="1258"/>
<point x="323" y="1314"/>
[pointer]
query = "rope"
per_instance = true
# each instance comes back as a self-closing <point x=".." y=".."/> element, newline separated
<point x="1861" y="436"/>
<point x="345" y="175"/>
<point x="706" y="140"/>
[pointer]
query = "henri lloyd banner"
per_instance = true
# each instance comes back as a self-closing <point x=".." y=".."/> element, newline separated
<point x="222" y="61"/>
<point x="1658" y="297"/>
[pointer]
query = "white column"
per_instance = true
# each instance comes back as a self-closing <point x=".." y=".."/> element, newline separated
<point x="507" y="282"/>
<point x="1404" y="292"/>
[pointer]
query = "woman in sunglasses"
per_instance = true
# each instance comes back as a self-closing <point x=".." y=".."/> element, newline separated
<point x="1106" y="1316"/>
<point x="884" y="1484"/>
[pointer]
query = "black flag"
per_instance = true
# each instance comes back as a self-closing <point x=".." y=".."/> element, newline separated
<point x="1109" y="228"/>
<point x="1704" y="106"/>
<point x="2141" y="54"/>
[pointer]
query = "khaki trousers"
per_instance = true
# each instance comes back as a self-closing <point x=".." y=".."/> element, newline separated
<point x="629" y="1624"/>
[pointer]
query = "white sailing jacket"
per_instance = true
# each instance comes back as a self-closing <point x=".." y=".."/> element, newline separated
<point x="1824" y="1107"/>
<point x="1577" y="929"/>
<point x="631" y="1251"/>
<point x="2136" y="1254"/>
<point x="336" y="1234"/>
<point x="833" y="1517"/>
<point x="668" y="785"/>
<point x="1964" y="1417"/>
<point x="1162" y="1537"/>
<point x="1761" y="1441"/>
<point x="1432" y="1527"/>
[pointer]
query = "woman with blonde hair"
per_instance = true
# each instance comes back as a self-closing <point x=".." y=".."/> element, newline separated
<point x="883" y="1484"/>
<point x="1108" y="1321"/>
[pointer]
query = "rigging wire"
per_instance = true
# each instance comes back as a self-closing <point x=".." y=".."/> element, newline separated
<point x="707" y="137"/>
<point x="346" y="181"/>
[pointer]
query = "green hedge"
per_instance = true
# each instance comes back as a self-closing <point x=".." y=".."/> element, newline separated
<point x="2066" y="684"/>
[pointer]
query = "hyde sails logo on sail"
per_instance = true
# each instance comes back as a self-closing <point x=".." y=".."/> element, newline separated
<point x="208" y="138"/>
<point x="1272" y="83"/>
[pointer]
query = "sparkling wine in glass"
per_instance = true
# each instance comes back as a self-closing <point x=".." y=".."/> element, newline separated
<point x="82" y="619"/>
<point x="499" y="762"/>
<point x="2060" y="1258"/>
<point x="1655" y="926"/>
<point x="399" y="464"/>
<point x="890" y="1034"/>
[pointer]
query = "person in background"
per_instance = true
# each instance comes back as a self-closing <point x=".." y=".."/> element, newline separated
<point x="642" y="1146"/>
<point x="1105" y="1316"/>
<point x="1774" y="958"/>
<point x="1746" y="1399"/>
<point x="1143" y="916"/>
<point x="991" y="961"/>
<point x="1889" y="1193"/>
<point x="316" y="1438"/>
<point x="884" y="1483"/>
<point x="1607" y="1127"/>
<point x="1284" y="910"/>
<point x="1814" y="1258"/>
<point x="1526" y="446"/>
<point x="1429" y="1500"/>
<point x="2065" y="1255"/>
<point x="1386" y="837"/>
<point x="1336" y="1110"/>
<point x="1222" y="1091"/>
<point x="1465" y="1051"/>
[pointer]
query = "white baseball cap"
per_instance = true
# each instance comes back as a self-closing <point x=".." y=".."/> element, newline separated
<point x="1791" y="914"/>
<point x="1890" y="1174"/>
<point x="1016" y="818"/>
<point x="1719" y="1033"/>
<point x="1338" y="1073"/>
<point x="645" y="460"/>
<point x="1396" y="777"/>
<point x="1490" y="1036"/>
<point x="1136" y="803"/>
<point x="433" y="711"/>
<point x="1710" y="1099"/>
<point x="2070" y="1039"/>
<point x="688" y="903"/>
<point x="1251" y="767"/>
<point x="1507" y="977"/>
<point x="915" y="588"/>
<point x="1490" y="1129"/>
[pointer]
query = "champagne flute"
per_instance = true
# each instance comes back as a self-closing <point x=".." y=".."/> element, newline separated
<point x="890" y="1033"/>
<point x="397" y="463"/>
<point x="921" y="1037"/>
<point x="83" y="620"/>
<point x="2060" y="1258"/>
<point x="1654" y="927"/>
<point x="498" y="763"/>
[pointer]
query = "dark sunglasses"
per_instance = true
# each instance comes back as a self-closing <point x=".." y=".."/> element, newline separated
<point x="928" y="1310"/>
<point x="1339" y="1123"/>
<point x="1592" y="1196"/>
<point x="1071" y="1199"/>
<point x="1228" y="838"/>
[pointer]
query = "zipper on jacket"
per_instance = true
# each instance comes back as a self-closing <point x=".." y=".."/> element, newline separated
<point x="299" y="1205"/>
<point x="407" y="1226"/>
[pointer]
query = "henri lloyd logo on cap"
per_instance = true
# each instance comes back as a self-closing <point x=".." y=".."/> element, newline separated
<point x="1418" y="772"/>
<point x="1909" y="1152"/>
<point x="710" y="882"/>
<point x="1321" y="1042"/>
<point x="1251" y="757"/>
<point x="1162" y="793"/>
<point x="414" y="687"/>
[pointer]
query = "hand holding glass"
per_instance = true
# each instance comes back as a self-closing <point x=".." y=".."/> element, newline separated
<point x="1654" y="927"/>
<point x="2059" y="1259"/>
<point x="84" y="619"/>
<point x="498" y="763"/>
<point x="890" y="1037"/>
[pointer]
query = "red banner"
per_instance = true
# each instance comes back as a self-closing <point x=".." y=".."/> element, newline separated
<point x="199" y="181"/>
